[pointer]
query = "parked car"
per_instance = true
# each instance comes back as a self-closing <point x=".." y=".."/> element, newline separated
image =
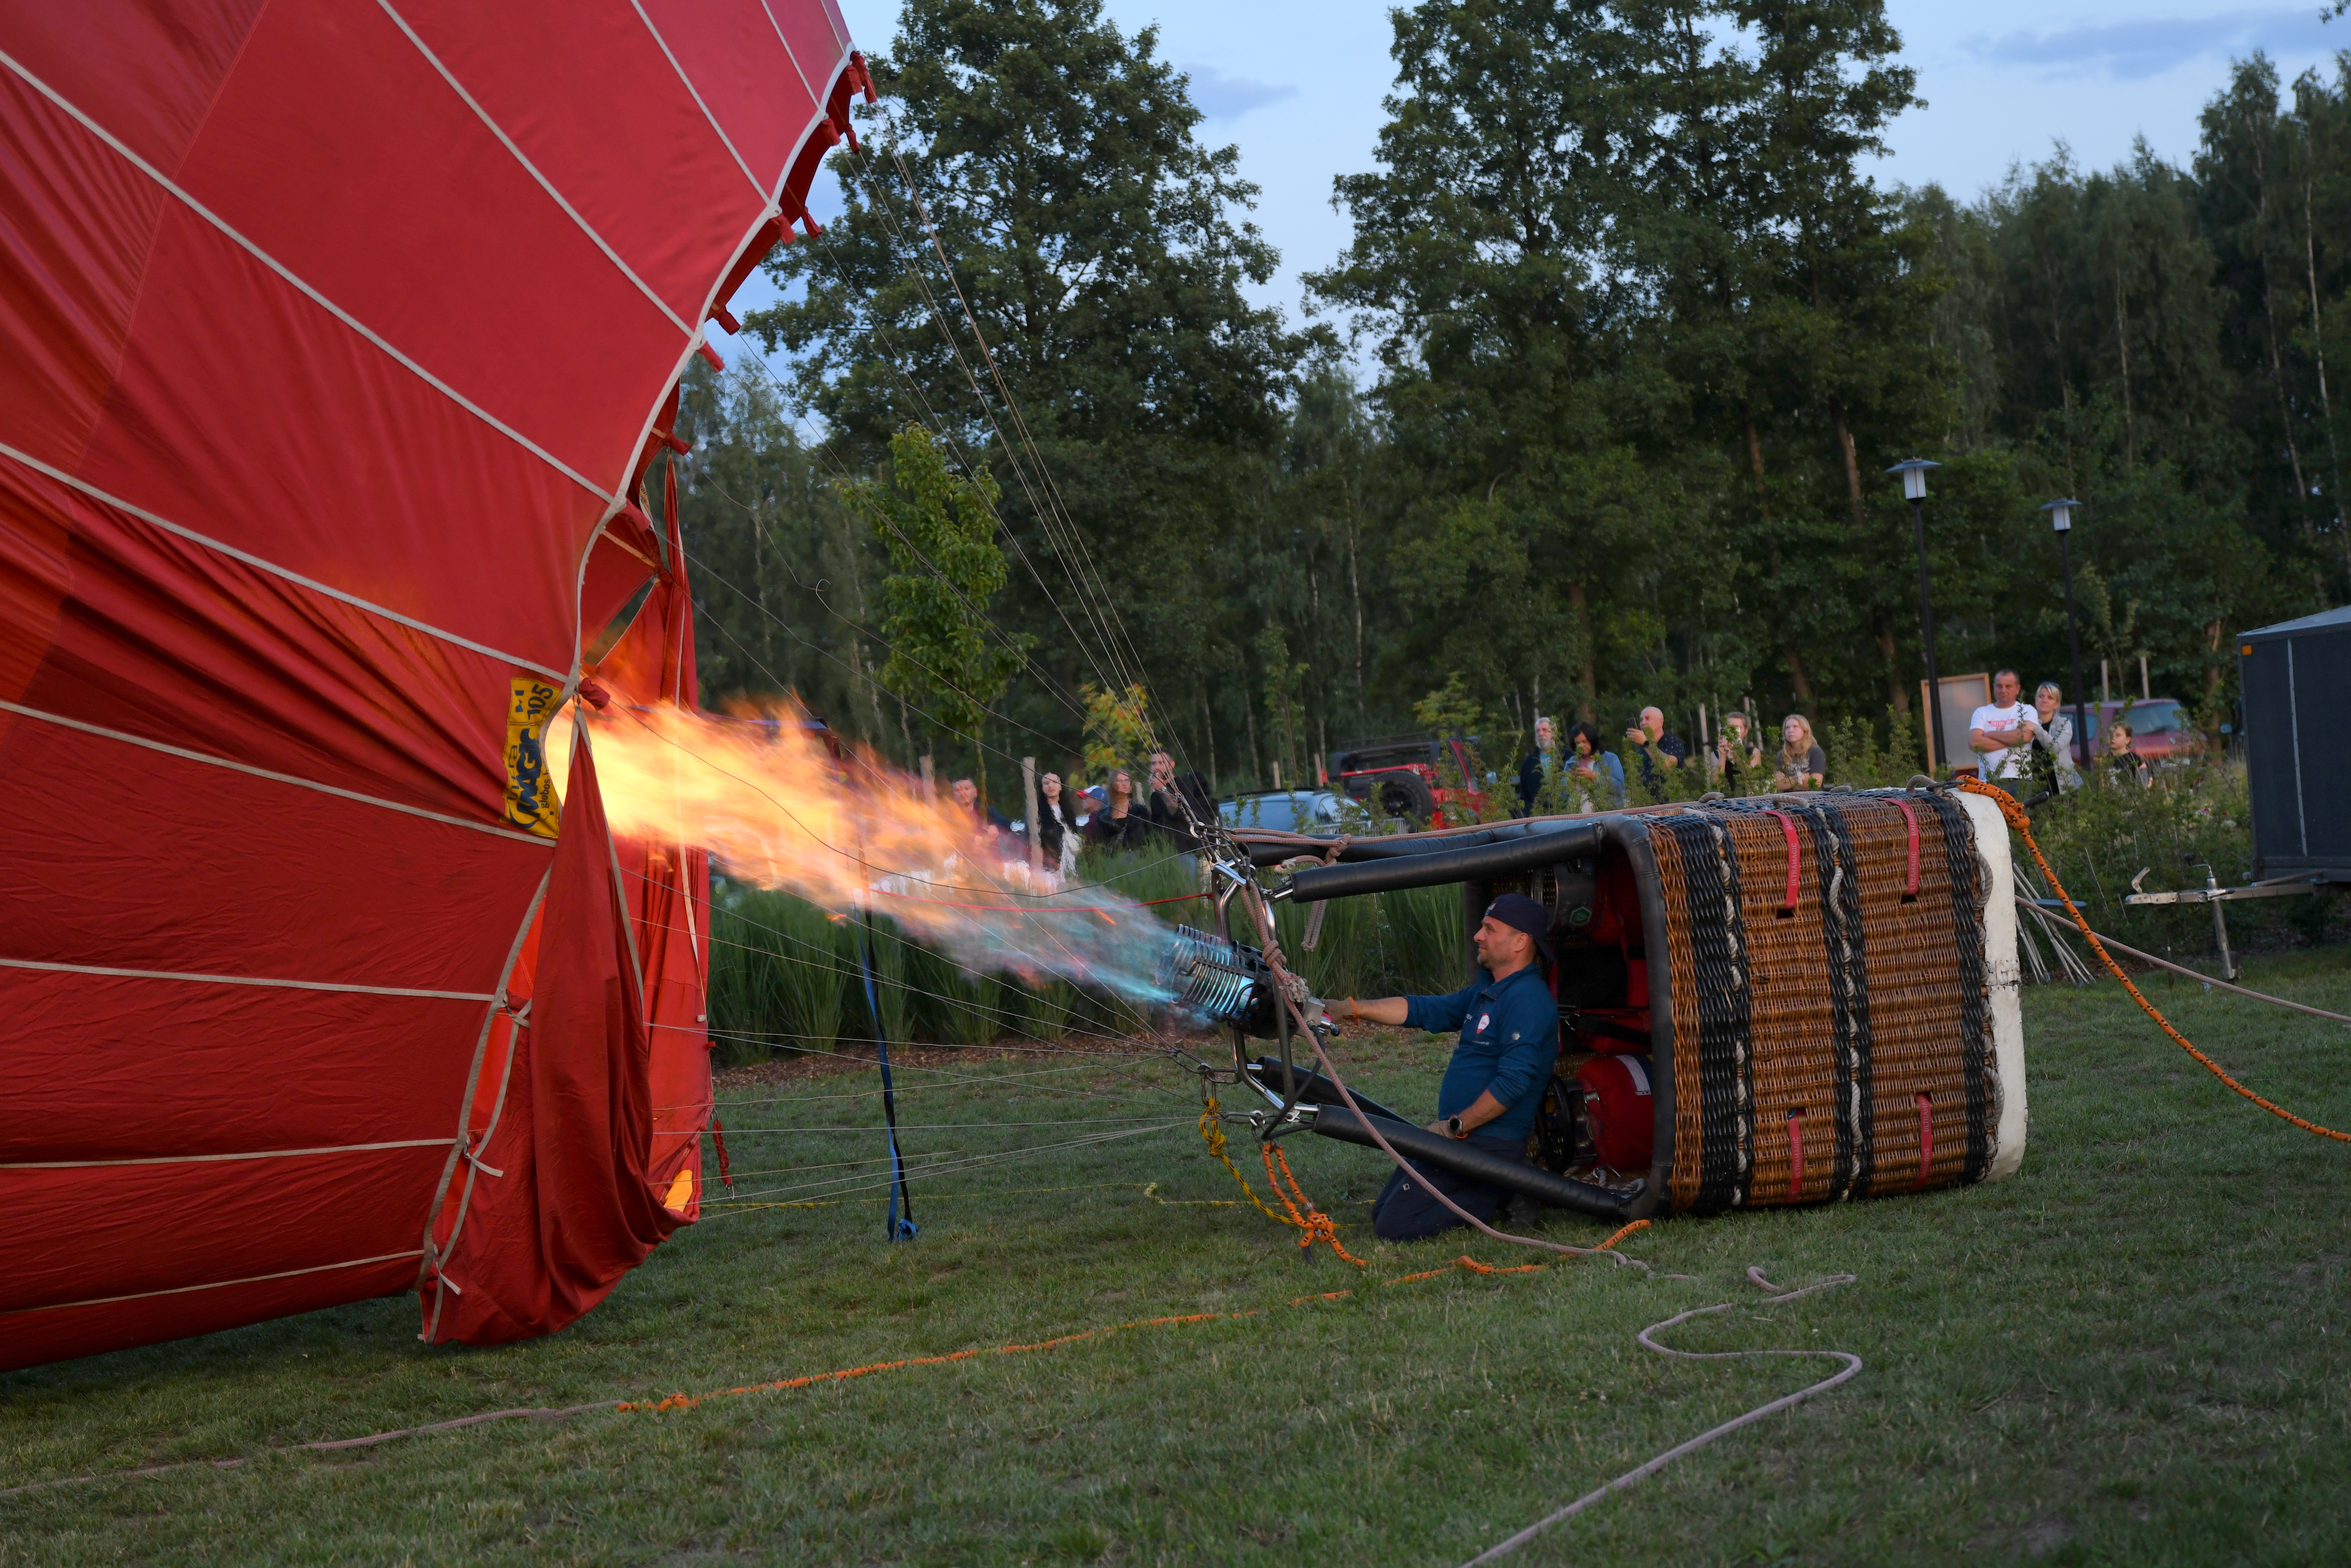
<point x="1318" y="812"/>
<point x="1398" y="776"/>
<point x="2162" y="731"/>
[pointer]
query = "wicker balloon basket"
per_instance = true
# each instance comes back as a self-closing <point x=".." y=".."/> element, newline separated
<point x="1821" y="990"/>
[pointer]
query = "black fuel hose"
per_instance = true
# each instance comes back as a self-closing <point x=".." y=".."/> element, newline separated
<point x="1520" y="852"/>
<point x="1273" y="848"/>
<point x="1468" y="1160"/>
<point x="1313" y="1089"/>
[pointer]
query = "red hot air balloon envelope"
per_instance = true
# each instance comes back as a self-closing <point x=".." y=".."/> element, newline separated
<point x="336" y="337"/>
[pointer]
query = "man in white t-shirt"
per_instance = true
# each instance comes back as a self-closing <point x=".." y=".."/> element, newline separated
<point x="1996" y="732"/>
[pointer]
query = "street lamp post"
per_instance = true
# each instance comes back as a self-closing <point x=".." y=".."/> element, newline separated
<point x="1914" y="490"/>
<point x="2060" y="518"/>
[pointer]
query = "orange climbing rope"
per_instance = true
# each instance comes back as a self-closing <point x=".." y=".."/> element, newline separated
<point x="689" y="1401"/>
<point x="1212" y="1132"/>
<point x="2023" y="825"/>
<point x="1316" y="1224"/>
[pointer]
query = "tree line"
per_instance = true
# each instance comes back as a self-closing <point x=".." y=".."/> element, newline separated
<point x="1592" y="412"/>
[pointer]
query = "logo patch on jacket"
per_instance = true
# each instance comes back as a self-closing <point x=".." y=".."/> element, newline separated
<point x="1483" y="1019"/>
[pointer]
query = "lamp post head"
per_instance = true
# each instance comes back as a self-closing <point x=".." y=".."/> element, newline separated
<point x="1913" y="477"/>
<point x="2061" y="515"/>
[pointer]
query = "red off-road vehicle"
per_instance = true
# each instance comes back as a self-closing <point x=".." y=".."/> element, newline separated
<point x="1403" y="776"/>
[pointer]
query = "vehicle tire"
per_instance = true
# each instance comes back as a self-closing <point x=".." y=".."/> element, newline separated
<point x="1406" y="795"/>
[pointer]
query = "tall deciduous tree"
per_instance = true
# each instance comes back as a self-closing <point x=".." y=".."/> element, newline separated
<point x="939" y="528"/>
<point x="1080" y="324"/>
<point x="1488" y="263"/>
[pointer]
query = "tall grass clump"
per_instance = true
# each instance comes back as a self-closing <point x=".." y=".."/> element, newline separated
<point x="1855" y="755"/>
<point x="1424" y="944"/>
<point x="786" y="976"/>
<point x="953" y="1006"/>
<point x="780" y="972"/>
<point x="1383" y="944"/>
<point x="1149" y="877"/>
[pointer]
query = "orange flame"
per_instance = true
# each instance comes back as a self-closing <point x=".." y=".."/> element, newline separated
<point x="774" y="805"/>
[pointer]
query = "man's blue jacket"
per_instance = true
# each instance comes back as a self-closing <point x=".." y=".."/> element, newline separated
<point x="1510" y="1039"/>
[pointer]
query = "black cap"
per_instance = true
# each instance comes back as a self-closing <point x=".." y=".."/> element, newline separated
<point x="1519" y="912"/>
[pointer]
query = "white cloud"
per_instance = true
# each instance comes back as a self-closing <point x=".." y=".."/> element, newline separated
<point x="2135" y="50"/>
<point x="1221" y="97"/>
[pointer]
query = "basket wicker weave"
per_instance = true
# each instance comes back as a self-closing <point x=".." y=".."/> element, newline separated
<point x="1852" y="1020"/>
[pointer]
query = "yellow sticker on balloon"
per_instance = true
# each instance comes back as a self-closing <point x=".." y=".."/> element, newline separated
<point x="531" y="803"/>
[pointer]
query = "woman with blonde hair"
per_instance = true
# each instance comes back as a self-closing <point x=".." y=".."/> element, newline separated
<point x="1800" y="763"/>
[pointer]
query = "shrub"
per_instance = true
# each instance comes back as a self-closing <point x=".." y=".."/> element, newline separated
<point x="778" y="972"/>
<point x="1856" y="757"/>
<point x="2197" y="814"/>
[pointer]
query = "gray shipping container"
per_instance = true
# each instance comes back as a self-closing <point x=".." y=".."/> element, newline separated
<point x="2296" y="681"/>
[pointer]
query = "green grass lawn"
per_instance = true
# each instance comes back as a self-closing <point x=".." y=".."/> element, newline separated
<point x="2134" y="1353"/>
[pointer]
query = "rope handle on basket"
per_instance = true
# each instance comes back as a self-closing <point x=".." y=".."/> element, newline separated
<point x="1910" y="820"/>
<point x="2016" y="819"/>
<point x="1788" y="826"/>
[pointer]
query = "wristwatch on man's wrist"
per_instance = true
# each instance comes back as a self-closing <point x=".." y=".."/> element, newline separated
<point x="1453" y="1126"/>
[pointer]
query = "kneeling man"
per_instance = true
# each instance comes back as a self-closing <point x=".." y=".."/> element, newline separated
<point x="1494" y="1085"/>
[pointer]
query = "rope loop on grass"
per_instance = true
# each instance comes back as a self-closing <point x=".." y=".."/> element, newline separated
<point x="2023" y="823"/>
<point x="1212" y="1132"/>
<point x="1317" y="1225"/>
<point x="1774" y="1296"/>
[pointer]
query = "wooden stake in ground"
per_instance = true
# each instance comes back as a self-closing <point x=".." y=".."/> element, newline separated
<point x="1029" y="786"/>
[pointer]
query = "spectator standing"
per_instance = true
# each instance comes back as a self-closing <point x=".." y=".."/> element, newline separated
<point x="1057" y="825"/>
<point x="1540" y="765"/>
<point x="1162" y="796"/>
<point x="1593" y="775"/>
<point x="1996" y="731"/>
<point x="986" y="820"/>
<point x="1660" y="752"/>
<point x="2122" y="764"/>
<point x="2051" y="729"/>
<point x="1178" y="803"/>
<point x="1738" y="754"/>
<point x="1800" y="764"/>
<point x="1121" y="824"/>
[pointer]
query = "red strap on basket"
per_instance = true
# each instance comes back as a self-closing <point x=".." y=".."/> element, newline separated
<point x="1788" y="826"/>
<point x="1795" y="1155"/>
<point x="1910" y="819"/>
<point x="1925" y="1139"/>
